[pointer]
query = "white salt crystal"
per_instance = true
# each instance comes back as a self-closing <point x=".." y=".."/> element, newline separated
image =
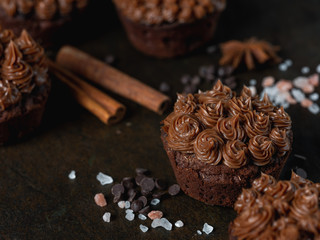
<point x="121" y="204"/>
<point x="199" y="232"/>
<point x="129" y="216"/>
<point x="129" y="211"/>
<point x="300" y="82"/>
<point x="253" y="90"/>
<point x="207" y="228"/>
<point x="253" y="82"/>
<point x="314" y="108"/>
<point x="298" y="94"/>
<point x="283" y="67"/>
<point x="179" y="224"/>
<point x="127" y="204"/>
<point x="72" y="175"/>
<point x="314" y="96"/>
<point x="318" y="68"/>
<point x="143" y="228"/>
<point x="155" y="201"/>
<point x="288" y="62"/>
<point x="162" y="222"/>
<point x="305" y="70"/>
<point x="104" y="179"/>
<point x="280" y="99"/>
<point x="271" y="91"/>
<point x="106" y="217"/>
<point x="142" y="217"/>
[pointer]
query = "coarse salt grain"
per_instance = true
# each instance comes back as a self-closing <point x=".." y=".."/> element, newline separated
<point x="268" y="81"/>
<point x="253" y="90"/>
<point x="106" y="217"/>
<point x="143" y="228"/>
<point x="121" y="204"/>
<point x="314" y="96"/>
<point x="284" y="85"/>
<point x="253" y="82"/>
<point x="318" y="68"/>
<point x="155" y="214"/>
<point x="288" y="62"/>
<point x="162" y="222"/>
<point x="155" y="201"/>
<point x="305" y="70"/>
<point x="314" y="80"/>
<point x="100" y="200"/>
<point x="300" y="82"/>
<point x="104" y="179"/>
<point x="179" y="224"/>
<point x="127" y="204"/>
<point x="283" y="67"/>
<point x="199" y="232"/>
<point x="298" y="94"/>
<point x="72" y="175"/>
<point x="207" y="229"/>
<point x="142" y="217"/>
<point x="308" y="88"/>
<point x="129" y="215"/>
<point x="314" y="108"/>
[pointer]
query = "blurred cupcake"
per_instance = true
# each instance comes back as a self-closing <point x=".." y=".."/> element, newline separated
<point x="169" y="28"/>
<point x="41" y="18"/>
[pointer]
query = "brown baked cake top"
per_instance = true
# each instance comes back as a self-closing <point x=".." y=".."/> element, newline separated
<point x="217" y="126"/>
<point x="42" y="9"/>
<point x="278" y="210"/>
<point x="23" y="67"/>
<point x="156" y="12"/>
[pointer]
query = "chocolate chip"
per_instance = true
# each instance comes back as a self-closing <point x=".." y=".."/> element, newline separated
<point x="164" y="87"/>
<point x="142" y="171"/>
<point x="139" y="179"/>
<point x="117" y="189"/>
<point x="136" y="205"/>
<point x="131" y="194"/>
<point x="117" y="198"/>
<point x="211" y="69"/>
<point x="128" y="182"/>
<point x="196" y="80"/>
<point x="209" y="77"/>
<point x="189" y="89"/>
<point x="160" y="184"/>
<point x="147" y="184"/>
<point x="203" y="71"/>
<point x="185" y="79"/>
<point x="158" y="194"/>
<point x="144" y="200"/>
<point x="174" y="189"/>
<point x="145" y="193"/>
<point x="145" y="210"/>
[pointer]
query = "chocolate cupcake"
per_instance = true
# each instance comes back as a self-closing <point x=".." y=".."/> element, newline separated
<point x="218" y="142"/>
<point x="24" y="85"/>
<point x="41" y="18"/>
<point x="277" y="210"/>
<point x="169" y="28"/>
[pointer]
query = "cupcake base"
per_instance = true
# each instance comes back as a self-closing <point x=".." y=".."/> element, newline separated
<point x="170" y="40"/>
<point x="22" y="119"/>
<point x="216" y="185"/>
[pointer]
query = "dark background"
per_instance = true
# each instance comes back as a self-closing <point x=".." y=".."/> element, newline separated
<point x="38" y="201"/>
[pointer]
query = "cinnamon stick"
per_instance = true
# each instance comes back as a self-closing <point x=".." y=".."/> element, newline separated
<point x="112" y="79"/>
<point x="100" y="104"/>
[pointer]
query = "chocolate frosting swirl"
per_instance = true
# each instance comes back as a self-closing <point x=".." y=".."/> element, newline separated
<point x="295" y="178"/>
<point x="280" y="139"/>
<point x="235" y="154"/>
<point x="9" y="6"/>
<point x="15" y="70"/>
<point x="256" y="124"/>
<point x="281" y="119"/>
<point x="305" y="202"/>
<point x="46" y="9"/>
<point x="264" y="105"/>
<point x="6" y="36"/>
<point x="261" y="184"/>
<point x="209" y="114"/>
<point x="252" y="222"/>
<point x="182" y="132"/>
<point x="230" y="128"/>
<point x="246" y="199"/>
<point x="185" y="104"/>
<point x="208" y="146"/>
<point x="261" y="149"/>
<point x="9" y="95"/>
<point x="25" y="6"/>
<point x="240" y="106"/>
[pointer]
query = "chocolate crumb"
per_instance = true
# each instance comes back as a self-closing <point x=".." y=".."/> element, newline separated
<point x="136" y="205"/>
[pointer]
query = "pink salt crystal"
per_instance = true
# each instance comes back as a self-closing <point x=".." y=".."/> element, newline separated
<point x="100" y="200"/>
<point x="306" y="103"/>
<point x="314" y="80"/>
<point x="155" y="215"/>
<point x="308" y="88"/>
<point x="290" y="99"/>
<point x="268" y="81"/>
<point x="284" y="85"/>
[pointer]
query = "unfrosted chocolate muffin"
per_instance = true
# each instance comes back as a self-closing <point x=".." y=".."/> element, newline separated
<point x="41" y="18"/>
<point x="169" y="28"/>
<point x="218" y="142"/>
<point x="280" y="210"/>
<point x="24" y="85"/>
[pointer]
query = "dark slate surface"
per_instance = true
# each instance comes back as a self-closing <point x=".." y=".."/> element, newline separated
<point x="38" y="201"/>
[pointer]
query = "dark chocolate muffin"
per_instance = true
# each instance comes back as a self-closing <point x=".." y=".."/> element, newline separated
<point x="218" y="142"/>
<point x="169" y="28"/>
<point x="24" y="85"/>
<point x="41" y="18"/>
<point x="277" y="210"/>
